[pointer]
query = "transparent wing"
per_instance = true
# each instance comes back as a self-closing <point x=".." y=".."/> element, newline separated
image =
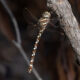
<point x="33" y="21"/>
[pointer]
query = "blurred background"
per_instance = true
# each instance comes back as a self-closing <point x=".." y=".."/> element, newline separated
<point x="55" y="58"/>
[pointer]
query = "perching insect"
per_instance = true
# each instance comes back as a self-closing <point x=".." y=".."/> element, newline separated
<point x="43" y="21"/>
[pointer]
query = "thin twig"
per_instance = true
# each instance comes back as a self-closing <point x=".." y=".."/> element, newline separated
<point x="18" y="42"/>
<point x="13" y="20"/>
<point x="26" y="59"/>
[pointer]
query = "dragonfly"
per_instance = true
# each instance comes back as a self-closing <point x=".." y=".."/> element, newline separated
<point x="43" y="23"/>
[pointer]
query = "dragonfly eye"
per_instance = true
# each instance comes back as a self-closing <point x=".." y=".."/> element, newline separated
<point x="46" y="14"/>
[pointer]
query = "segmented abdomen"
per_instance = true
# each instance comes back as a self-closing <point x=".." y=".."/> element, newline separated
<point x="43" y="21"/>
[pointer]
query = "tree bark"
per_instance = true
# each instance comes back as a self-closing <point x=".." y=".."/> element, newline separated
<point x="68" y="20"/>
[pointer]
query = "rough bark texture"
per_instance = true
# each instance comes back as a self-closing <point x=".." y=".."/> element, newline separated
<point x="68" y="20"/>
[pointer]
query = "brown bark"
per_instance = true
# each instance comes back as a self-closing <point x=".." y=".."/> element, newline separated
<point x="68" y="20"/>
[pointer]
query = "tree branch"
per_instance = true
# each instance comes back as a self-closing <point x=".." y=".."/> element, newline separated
<point x="68" y="20"/>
